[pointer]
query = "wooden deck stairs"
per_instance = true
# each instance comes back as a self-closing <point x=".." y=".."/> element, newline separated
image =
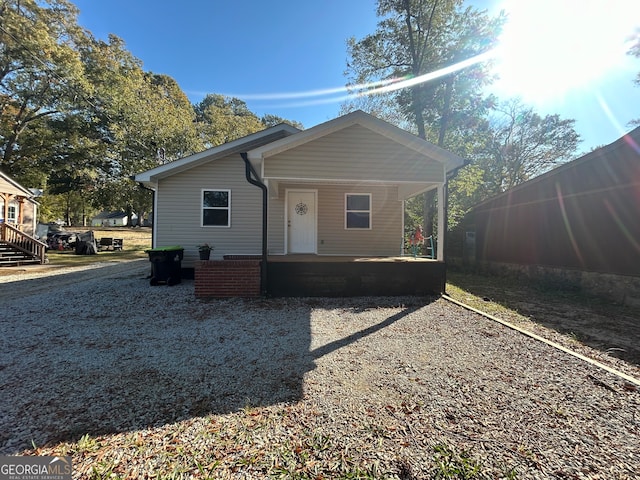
<point x="18" y="248"/>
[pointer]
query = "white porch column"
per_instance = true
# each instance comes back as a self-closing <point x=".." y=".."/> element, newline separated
<point x="441" y="224"/>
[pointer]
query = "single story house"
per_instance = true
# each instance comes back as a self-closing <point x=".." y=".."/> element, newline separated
<point x="321" y="210"/>
<point x="112" y="219"/>
<point x="17" y="205"/>
<point x="18" y="220"/>
<point x="579" y="222"/>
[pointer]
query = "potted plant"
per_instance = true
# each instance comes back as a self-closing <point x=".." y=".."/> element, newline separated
<point x="205" y="251"/>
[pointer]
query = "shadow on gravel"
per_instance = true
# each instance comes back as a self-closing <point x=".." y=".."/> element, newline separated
<point x="354" y="337"/>
<point x="98" y="357"/>
<point x="608" y="327"/>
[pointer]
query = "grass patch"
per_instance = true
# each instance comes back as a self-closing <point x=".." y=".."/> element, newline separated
<point x="480" y="293"/>
<point x="70" y="259"/>
<point x="135" y="241"/>
<point x="496" y="294"/>
<point x="548" y="310"/>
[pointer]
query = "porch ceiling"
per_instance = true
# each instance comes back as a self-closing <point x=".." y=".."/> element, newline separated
<point x="406" y="190"/>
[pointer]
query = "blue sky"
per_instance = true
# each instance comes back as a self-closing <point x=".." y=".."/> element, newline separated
<point x="254" y="48"/>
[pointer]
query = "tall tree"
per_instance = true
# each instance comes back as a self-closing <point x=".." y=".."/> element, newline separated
<point x="270" y="120"/>
<point x="40" y="71"/>
<point x="72" y="185"/>
<point x="141" y="119"/>
<point x="635" y="51"/>
<point x="223" y="119"/>
<point x="513" y="145"/>
<point x="417" y="37"/>
<point x="521" y="144"/>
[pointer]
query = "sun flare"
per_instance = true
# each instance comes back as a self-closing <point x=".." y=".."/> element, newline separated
<point x="550" y="47"/>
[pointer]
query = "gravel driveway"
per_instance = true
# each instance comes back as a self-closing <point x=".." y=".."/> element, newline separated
<point x="138" y="380"/>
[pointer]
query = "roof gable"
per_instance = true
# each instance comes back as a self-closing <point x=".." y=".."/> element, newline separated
<point x="240" y="145"/>
<point x="17" y="189"/>
<point x="393" y="133"/>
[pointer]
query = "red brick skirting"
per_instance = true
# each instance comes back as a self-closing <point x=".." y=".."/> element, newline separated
<point x="227" y="278"/>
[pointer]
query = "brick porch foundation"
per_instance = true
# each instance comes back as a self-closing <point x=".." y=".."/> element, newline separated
<point x="227" y="278"/>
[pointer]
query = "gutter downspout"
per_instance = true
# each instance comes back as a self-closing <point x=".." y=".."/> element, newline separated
<point x="249" y="171"/>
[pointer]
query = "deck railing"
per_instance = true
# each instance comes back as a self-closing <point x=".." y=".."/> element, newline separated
<point x="23" y="242"/>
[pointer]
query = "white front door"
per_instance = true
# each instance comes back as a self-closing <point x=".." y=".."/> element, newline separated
<point x="301" y="221"/>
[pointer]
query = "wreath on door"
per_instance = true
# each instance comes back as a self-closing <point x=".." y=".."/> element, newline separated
<point x="302" y="209"/>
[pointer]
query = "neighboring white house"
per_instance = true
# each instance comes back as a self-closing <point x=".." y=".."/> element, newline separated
<point x="337" y="189"/>
<point x="112" y="219"/>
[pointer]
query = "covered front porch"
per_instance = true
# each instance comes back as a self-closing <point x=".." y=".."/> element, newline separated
<point x="18" y="211"/>
<point x="345" y="276"/>
<point x="333" y="214"/>
<point x="319" y="276"/>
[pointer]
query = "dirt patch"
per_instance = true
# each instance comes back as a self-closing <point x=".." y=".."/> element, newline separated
<point x="610" y="328"/>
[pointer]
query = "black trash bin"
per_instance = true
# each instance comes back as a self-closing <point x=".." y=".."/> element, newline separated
<point x="166" y="265"/>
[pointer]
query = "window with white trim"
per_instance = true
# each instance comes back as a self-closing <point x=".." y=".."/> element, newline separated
<point x="12" y="214"/>
<point x="357" y="211"/>
<point x="216" y="208"/>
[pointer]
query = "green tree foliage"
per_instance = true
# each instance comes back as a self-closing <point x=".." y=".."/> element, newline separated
<point x="222" y="119"/>
<point x="513" y="145"/>
<point x="503" y="143"/>
<point x="39" y="70"/>
<point x="635" y="51"/>
<point x="71" y="186"/>
<point x="141" y="119"/>
<point x="417" y="37"/>
<point x="137" y="114"/>
<point x="465" y="190"/>
<point x="521" y="144"/>
<point x="270" y="120"/>
<point x="79" y="116"/>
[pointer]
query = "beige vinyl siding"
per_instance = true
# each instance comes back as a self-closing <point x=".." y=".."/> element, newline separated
<point x="383" y="239"/>
<point x="179" y="206"/>
<point x="26" y="210"/>
<point x="385" y="235"/>
<point x="276" y="229"/>
<point x="354" y="153"/>
<point x="29" y="217"/>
